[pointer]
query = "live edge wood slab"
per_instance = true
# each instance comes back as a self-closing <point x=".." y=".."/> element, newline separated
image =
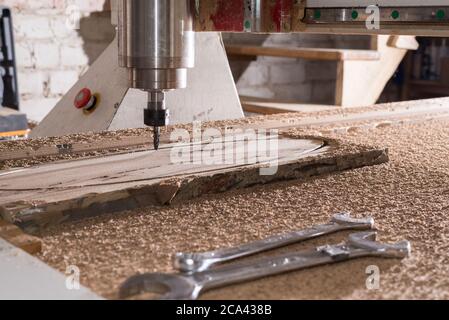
<point x="37" y="197"/>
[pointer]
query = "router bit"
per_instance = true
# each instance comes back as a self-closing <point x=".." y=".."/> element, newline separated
<point x="157" y="137"/>
<point x="156" y="115"/>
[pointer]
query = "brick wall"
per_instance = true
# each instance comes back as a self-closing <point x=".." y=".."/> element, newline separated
<point x="290" y="79"/>
<point x="50" y="54"/>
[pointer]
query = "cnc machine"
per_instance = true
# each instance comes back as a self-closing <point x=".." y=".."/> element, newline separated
<point x="156" y="37"/>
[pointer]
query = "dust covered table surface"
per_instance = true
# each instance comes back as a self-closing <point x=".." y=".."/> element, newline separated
<point x="408" y="197"/>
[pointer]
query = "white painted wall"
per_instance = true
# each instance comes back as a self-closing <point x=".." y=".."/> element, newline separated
<point x="51" y="56"/>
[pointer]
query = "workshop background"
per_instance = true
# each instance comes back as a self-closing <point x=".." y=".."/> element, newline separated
<point x="51" y="57"/>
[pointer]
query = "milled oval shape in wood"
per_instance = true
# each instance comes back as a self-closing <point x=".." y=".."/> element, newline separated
<point x="115" y="172"/>
<point x="49" y="194"/>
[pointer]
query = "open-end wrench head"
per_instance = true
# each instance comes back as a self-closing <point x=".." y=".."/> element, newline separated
<point x="162" y="286"/>
<point x="367" y="241"/>
<point x="345" y="219"/>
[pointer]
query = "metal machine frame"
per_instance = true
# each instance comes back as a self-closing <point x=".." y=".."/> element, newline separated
<point x="155" y="49"/>
<point x="156" y="37"/>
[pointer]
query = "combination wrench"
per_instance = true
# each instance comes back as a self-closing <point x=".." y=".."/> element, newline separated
<point x="189" y="286"/>
<point x="198" y="262"/>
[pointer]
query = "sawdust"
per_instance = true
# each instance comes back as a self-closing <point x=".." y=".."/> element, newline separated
<point x="29" y="162"/>
<point x="409" y="198"/>
<point x="89" y="138"/>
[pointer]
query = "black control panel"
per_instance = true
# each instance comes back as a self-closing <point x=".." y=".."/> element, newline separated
<point x="9" y="93"/>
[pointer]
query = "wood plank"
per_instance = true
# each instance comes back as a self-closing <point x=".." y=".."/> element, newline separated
<point x="74" y="148"/>
<point x="403" y="42"/>
<point x="420" y="110"/>
<point x="304" y="53"/>
<point x="20" y="239"/>
<point x="360" y="83"/>
<point x="49" y="194"/>
<point x="271" y="106"/>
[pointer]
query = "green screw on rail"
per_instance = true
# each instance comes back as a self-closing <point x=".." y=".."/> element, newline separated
<point x="317" y="14"/>
<point x="441" y="14"/>
<point x="354" y="15"/>
<point x="395" y="14"/>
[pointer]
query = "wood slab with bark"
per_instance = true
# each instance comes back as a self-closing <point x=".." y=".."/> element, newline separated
<point x="37" y="197"/>
<point x="15" y="236"/>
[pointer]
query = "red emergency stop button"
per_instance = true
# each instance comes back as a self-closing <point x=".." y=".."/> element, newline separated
<point x="83" y="98"/>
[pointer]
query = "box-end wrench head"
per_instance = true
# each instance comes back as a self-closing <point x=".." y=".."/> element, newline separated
<point x="190" y="286"/>
<point x="197" y="262"/>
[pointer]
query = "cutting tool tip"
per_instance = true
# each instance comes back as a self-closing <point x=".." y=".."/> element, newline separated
<point x="157" y="137"/>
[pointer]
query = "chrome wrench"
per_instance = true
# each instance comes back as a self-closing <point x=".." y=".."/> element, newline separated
<point x="190" y="286"/>
<point x="197" y="262"/>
